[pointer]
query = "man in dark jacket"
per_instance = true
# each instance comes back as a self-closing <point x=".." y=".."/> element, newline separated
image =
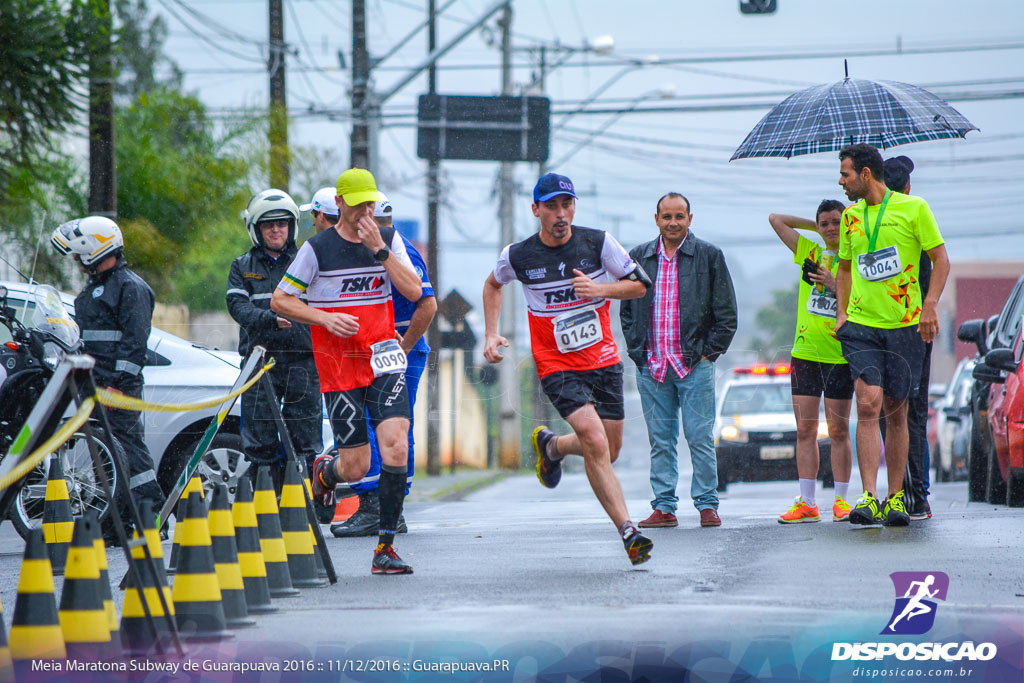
<point x="271" y="219"/>
<point x="674" y="334"/>
<point x="115" y="313"/>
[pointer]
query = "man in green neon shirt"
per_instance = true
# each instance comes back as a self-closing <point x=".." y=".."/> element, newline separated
<point x="882" y="321"/>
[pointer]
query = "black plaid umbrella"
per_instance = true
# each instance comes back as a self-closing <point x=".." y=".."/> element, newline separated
<point x="826" y="118"/>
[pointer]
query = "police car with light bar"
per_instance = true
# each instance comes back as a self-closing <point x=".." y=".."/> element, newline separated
<point x="755" y="429"/>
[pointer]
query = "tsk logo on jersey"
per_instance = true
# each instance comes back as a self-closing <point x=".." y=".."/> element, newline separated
<point x="536" y="273"/>
<point x="916" y="592"/>
<point x="363" y="283"/>
<point x="560" y="296"/>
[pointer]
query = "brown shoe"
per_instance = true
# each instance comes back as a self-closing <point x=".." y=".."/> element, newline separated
<point x="709" y="517"/>
<point x="659" y="519"/>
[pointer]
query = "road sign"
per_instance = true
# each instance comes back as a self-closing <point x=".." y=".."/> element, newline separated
<point x="454" y="308"/>
<point x="470" y="127"/>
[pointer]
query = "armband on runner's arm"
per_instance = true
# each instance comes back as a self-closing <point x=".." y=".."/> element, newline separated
<point x="639" y="275"/>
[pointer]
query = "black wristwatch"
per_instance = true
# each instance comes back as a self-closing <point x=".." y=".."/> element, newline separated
<point x="383" y="254"/>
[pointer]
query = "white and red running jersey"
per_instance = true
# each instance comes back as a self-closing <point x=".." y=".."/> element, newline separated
<point x="566" y="332"/>
<point x="343" y="277"/>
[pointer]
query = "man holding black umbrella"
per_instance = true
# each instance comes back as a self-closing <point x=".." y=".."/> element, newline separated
<point x="882" y="322"/>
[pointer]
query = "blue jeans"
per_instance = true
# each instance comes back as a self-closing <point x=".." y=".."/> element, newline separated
<point x="662" y="401"/>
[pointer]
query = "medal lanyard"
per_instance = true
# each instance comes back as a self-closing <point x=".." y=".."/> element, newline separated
<point x="873" y="237"/>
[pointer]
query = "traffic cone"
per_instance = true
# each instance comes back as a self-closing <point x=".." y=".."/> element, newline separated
<point x="250" y="557"/>
<point x="225" y="558"/>
<point x="6" y="668"/>
<point x="108" y="597"/>
<point x="83" y="620"/>
<point x="196" y="592"/>
<point x="136" y="635"/>
<point x="194" y="485"/>
<point x="274" y="555"/>
<point x="296" y="532"/>
<point x="321" y="570"/>
<point x="35" y="629"/>
<point x="57" y="521"/>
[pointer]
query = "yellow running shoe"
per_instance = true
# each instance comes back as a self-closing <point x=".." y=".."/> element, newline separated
<point x="800" y="513"/>
<point x="840" y="510"/>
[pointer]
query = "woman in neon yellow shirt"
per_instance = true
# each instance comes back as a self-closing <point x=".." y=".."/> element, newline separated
<point x="818" y="366"/>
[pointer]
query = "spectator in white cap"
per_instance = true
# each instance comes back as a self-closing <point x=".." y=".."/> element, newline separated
<point x="322" y="208"/>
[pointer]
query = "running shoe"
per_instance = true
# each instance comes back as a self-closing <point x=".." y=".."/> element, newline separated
<point x="922" y="511"/>
<point x="549" y="471"/>
<point x="322" y="493"/>
<point x="800" y="513"/>
<point x="387" y="561"/>
<point x="638" y="546"/>
<point x="840" y="510"/>
<point x="894" y="513"/>
<point x="866" y="510"/>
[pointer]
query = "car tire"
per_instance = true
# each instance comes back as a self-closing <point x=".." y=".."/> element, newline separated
<point x="84" y="489"/>
<point x="1015" y="488"/>
<point x="977" y="469"/>
<point x="995" y="486"/>
<point x="223" y="463"/>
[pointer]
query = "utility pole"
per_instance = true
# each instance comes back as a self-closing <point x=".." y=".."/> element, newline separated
<point x="433" y="332"/>
<point x="102" y="175"/>
<point x="360" y="141"/>
<point x="508" y="430"/>
<point x="279" y="154"/>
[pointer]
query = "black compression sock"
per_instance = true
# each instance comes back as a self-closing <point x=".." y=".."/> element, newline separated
<point x="391" y="491"/>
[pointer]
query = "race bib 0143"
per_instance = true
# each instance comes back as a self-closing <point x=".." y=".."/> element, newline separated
<point x="575" y="330"/>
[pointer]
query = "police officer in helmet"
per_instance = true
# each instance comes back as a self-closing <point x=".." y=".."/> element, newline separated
<point x="115" y="312"/>
<point x="270" y="220"/>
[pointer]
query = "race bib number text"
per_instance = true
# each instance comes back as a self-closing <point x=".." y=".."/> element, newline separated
<point x="575" y="331"/>
<point x="824" y="304"/>
<point x="388" y="358"/>
<point x="879" y="265"/>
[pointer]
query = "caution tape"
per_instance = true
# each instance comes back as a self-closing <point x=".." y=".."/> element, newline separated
<point x="111" y="399"/>
<point x="66" y="431"/>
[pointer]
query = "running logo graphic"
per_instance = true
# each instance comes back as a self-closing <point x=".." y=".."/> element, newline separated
<point x="916" y="593"/>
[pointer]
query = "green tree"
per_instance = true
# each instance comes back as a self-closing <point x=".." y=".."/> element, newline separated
<point x="776" y="323"/>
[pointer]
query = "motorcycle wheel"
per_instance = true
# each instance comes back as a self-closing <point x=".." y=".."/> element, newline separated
<point x="84" y="489"/>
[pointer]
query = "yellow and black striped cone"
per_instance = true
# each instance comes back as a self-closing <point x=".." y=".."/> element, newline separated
<point x="6" y="668"/>
<point x="321" y="570"/>
<point x="194" y="485"/>
<point x="35" y="629"/>
<point x="225" y="558"/>
<point x="108" y="597"/>
<point x="275" y="557"/>
<point x="57" y="521"/>
<point x="296" y="532"/>
<point x="83" y="620"/>
<point x="196" y="591"/>
<point x="250" y="557"/>
<point x="136" y="636"/>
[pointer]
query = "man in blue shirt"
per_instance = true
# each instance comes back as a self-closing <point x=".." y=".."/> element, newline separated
<point x="411" y="322"/>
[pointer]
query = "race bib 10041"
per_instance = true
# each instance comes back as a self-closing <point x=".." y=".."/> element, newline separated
<point x="576" y="330"/>
<point x="879" y="265"/>
<point x="388" y="358"/>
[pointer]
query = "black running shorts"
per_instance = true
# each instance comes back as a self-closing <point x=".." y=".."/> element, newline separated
<point x="386" y="397"/>
<point x="570" y="390"/>
<point x="811" y="378"/>
<point x="891" y="359"/>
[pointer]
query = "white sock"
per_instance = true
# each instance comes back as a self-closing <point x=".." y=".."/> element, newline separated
<point x="807" y="491"/>
<point x="842" y="488"/>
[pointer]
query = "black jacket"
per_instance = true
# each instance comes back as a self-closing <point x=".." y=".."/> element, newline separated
<point x="707" y="302"/>
<point x="115" y="313"/>
<point x="251" y="283"/>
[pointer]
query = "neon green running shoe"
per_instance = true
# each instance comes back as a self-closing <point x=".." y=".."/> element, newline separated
<point x="894" y="513"/>
<point x="866" y="510"/>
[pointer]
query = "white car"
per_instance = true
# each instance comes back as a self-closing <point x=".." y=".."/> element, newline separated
<point x="755" y="428"/>
<point x="176" y="371"/>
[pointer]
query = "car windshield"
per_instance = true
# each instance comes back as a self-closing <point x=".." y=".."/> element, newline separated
<point x="758" y="398"/>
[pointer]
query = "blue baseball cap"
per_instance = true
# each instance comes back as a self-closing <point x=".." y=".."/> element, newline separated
<point x="552" y="185"/>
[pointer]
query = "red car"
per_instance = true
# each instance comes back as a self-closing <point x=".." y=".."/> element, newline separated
<point x="1006" y="417"/>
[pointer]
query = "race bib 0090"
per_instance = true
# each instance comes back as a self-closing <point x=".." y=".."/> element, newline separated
<point x="879" y="265"/>
<point x="387" y="358"/>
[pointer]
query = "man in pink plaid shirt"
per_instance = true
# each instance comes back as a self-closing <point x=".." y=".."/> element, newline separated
<point x="674" y="334"/>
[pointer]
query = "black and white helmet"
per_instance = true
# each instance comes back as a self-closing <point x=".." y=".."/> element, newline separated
<point x="92" y="239"/>
<point x="268" y="205"/>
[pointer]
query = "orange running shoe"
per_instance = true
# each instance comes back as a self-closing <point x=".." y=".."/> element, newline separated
<point x="800" y="513"/>
<point x="840" y="510"/>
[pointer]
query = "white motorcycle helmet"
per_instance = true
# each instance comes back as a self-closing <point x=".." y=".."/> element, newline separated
<point x="270" y="205"/>
<point x="92" y="238"/>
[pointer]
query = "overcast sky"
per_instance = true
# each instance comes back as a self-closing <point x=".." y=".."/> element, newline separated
<point x="973" y="185"/>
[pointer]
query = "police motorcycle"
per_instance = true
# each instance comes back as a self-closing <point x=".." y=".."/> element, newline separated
<point x="27" y="361"/>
